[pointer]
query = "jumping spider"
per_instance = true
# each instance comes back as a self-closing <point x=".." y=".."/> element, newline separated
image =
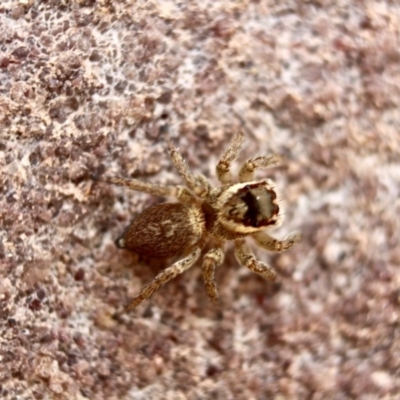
<point x="202" y="214"/>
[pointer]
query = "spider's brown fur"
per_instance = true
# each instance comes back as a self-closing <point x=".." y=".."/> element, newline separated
<point x="228" y="212"/>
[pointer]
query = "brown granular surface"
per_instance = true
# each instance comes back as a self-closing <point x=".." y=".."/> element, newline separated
<point x="89" y="86"/>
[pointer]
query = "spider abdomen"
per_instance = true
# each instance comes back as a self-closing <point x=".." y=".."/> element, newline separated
<point x="164" y="230"/>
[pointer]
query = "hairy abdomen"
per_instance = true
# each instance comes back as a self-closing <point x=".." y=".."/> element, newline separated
<point x="164" y="230"/>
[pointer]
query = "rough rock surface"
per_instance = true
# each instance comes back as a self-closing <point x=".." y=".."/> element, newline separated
<point x="88" y="86"/>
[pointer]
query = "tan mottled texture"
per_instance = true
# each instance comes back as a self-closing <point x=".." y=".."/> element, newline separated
<point x="87" y="86"/>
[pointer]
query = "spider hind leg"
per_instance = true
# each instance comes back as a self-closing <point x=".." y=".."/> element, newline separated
<point x="163" y="277"/>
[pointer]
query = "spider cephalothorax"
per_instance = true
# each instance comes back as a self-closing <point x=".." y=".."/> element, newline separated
<point x="204" y="214"/>
<point x="248" y="207"/>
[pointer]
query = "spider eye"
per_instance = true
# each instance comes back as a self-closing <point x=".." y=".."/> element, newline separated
<point x="252" y="206"/>
<point x="253" y="209"/>
<point x="260" y="206"/>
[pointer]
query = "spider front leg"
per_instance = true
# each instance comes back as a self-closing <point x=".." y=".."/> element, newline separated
<point x="164" y="277"/>
<point x="196" y="183"/>
<point x="245" y="258"/>
<point x="224" y="164"/>
<point x="179" y="192"/>
<point x="212" y="260"/>
<point x="247" y="171"/>
<point x="271" y="244"/>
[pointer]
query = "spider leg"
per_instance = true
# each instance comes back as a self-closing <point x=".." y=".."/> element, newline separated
<point x="204" y="186"/>
<point x="179" y="192"/>
<point x="164" y="277"/>
<point x="196" y="183"/>
<point x="212" y="260"/>
<point x="246" y="259"/>
<point x="246" y="172"/>
<point x="271" y="244"/>
<point x="224" y="164"/>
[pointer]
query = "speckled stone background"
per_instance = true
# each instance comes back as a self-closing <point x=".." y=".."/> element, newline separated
<point x="90" y="86"/>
